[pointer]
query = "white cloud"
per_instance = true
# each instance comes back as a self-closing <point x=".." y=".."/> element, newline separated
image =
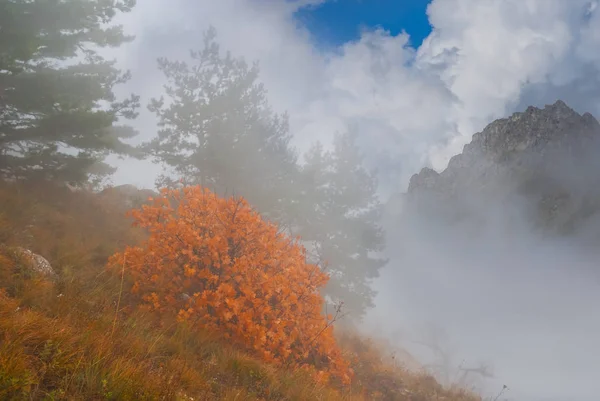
<point x="492" y="50"/>
<point x="524" y="305"/>
<point x="421" y="104"/>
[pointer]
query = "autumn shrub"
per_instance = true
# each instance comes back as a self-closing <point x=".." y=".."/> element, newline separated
<point x="217" y="265"/>
<point x="83" y="336"/>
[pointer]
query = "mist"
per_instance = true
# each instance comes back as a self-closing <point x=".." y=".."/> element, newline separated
<point x="503" y="293"/>
<point x="495" y="290"/>
<point x="524" y="304"/>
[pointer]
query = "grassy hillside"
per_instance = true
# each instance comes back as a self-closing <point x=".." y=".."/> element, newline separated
<point x="82" y="337"/>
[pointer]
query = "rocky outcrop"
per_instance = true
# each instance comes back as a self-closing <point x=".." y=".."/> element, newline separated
<point x="35" y="263"/>
<point x="425" y="179"/>
<point x="532" y="138"/>
<point x="547" y="156"/>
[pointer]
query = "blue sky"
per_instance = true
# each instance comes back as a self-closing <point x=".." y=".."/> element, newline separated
<point x="338" y="21"/>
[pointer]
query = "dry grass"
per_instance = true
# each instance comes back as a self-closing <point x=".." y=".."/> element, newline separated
<point x="60" y="340"/>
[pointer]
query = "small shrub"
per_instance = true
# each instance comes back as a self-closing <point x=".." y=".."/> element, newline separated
<point x="244" y="279"/>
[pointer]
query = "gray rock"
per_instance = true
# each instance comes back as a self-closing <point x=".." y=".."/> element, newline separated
<point x="425" y="179"/>
<point x="547" y="156"/>
<point x="36" y="263"/>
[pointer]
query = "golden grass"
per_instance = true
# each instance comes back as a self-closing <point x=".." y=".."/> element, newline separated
<point x="60" y="340"/>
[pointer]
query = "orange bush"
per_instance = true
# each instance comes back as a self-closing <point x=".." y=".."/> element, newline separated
<point x="218" y="265"/>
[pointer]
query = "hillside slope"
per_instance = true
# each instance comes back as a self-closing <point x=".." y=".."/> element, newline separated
<point x="81" y="336"/>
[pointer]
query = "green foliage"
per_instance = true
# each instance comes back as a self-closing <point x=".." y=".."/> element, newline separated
<point x="339" y="213"/>
<point x="57" y="106"/>
<point x="217" y="130"/>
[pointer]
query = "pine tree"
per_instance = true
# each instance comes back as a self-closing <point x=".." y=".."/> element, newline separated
<point x="217" y="129"/>
<point x="57" y="106"/>
<point x="339" y="216"/>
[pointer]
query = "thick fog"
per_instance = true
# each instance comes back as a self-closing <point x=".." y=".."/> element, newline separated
<point x="498" y="291"/>
<point x="502" y="294"/>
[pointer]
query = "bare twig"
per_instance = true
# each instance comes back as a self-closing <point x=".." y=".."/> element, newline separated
<point x="504" y="387"/>
<point x="120" y="294"/>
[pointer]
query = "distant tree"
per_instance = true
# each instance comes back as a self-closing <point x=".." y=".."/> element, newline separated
<point x="443" y="365"/>
<point x="338" y="214"/>
<point x="217" y="129"/>
<point x="242" y="277"/>
<point x="57" y="106"/>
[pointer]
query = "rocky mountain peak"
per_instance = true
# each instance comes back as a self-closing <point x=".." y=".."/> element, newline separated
<point x="533" y="132"/>
<point x="544" y="159"/>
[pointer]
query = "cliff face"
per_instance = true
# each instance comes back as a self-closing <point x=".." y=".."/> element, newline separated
<point x="548" y="159"/>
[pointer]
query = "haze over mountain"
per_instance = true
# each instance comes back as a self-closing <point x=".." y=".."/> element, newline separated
<point x="543" y="159"/>
<point x="499" y="252"/>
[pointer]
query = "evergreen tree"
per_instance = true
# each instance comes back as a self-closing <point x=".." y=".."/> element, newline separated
<point x="57" y="106"/>
<point x="339" y="218"/>
<point x="217" y="130"/>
